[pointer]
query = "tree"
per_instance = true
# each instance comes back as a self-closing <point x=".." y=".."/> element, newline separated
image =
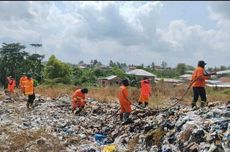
<point x="111" y="63"/>
<point x="117" y="71"/>
<point x="15" y="61"/>
<point x="222" y="67"/>
<point x="163" y="64"/>
<point x="35" y="66"/>
<point x="81" y="62"/>
<point x="181" y="68"/>
<point x="35" y="45"/>
<point x="153" y="65"/>
<point x="57" y="71"/>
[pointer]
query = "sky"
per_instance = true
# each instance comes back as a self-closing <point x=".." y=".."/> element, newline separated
<point x="132" y="32"/>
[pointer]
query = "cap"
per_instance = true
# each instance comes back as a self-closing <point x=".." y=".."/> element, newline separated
<point x="201" y="63"/>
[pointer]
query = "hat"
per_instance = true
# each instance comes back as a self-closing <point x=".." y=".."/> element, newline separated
<point x="201" y="63"/>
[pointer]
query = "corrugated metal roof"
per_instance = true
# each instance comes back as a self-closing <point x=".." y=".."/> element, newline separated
<point x="223" y="72"/>
<point x="140" y="72"/>
<point x="169" y="80"/>
<point x="186" y="76"/>
<point x="220" y="85"/>
<point x="109" y="77"/>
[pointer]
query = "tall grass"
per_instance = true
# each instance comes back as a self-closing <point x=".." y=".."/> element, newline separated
<point x="161" y="93"/>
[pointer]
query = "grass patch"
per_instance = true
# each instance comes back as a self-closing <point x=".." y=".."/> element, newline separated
<point x="161" y="93"/>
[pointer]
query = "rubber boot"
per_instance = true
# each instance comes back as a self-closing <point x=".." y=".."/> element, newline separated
<point x="78" y="111"/>
<point x="202" y="104"/>
<point x="193" y="104"/>
<point x="121" y="117"/>
<point x="27" y="105"/>
<point x="73" y="110"/>
<point x="146" y="104"/>
<point x="126" y="115"/>
<point x="32" y="104"/>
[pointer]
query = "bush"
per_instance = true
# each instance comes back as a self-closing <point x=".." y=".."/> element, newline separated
<point x="227" y="91"/>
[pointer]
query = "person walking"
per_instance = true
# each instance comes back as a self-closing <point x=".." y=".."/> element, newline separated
<point x="29" y="91"/>
<point x="125" y="103"/>
<point x="22" y="82"/>
<point x="11" y="84"/>
<point x="145" y="91"/>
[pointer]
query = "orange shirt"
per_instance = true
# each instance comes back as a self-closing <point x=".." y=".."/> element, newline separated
<point x="123" y="99"/>
<point x="78" y="95"/>
<point x="145" y="88"/>
<point x="78" y="99"/>
<point x="11" y="84"/>
<point x="22" y="81"/>
<point x="29" y="87"/>
<point x="200" y="82"/>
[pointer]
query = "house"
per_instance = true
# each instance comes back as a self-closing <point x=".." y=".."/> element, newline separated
<point x="223" y="82"/>
<point x="140" y="74"/>
<point x="224" y="79"/>
<point x="110" y="80"/>
<point x="169" y="80"/>
<point x="157" y="67"/>
<point x="186" y="77"/>
<point x="130" y="67"/>
<point x="188" y="71"/>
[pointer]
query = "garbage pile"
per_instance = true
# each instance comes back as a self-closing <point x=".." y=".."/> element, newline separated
<point x="51" y="126"/>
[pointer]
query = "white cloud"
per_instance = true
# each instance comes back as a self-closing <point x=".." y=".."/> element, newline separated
<point x="190" y="43"/>
<point x="121" y="31"/>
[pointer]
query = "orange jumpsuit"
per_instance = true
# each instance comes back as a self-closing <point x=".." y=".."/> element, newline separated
<point x="29" y="87"/>
<point x="200" y="82"/>
<point x="78" y="99"/>
<point x="23" y="80"/>
<point x="11" y="85"/>
<point x="125" y="104"/>
<point x="145" y="91"/>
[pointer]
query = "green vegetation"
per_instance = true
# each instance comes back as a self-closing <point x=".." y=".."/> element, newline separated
<point x="15" y="61"/>
<point x="57" y="71"/>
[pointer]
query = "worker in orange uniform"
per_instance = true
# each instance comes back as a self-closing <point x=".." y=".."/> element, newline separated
<point x="145" y="91"/>
<point x="29" y="90"/>
<point x="198" y="83"/>
<point x="22" y="82"/>
<point x="11" y="84"/>
<point x="125" y="103"/>
<point x="78" y="100"/>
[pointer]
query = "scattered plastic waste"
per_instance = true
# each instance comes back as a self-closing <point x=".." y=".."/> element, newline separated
<point x="51" y="126"/>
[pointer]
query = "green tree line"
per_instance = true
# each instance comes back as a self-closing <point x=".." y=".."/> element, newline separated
<point x="15" y="61"/>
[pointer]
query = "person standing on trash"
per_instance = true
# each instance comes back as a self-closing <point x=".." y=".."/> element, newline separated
<point x="125" y="103"/>
<point x="11" y="84"/>
<point x="29" y="91"/>
<point x="198" y="83"/>
<point x="22" y="82"/>
<point x="78" y="100"/>
<point x="145" y="92"/>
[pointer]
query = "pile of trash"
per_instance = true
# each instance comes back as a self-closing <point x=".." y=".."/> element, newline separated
<point x="52" y="125"/>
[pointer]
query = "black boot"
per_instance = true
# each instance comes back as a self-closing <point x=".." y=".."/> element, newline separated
<point x="28" y="105"/>
<point x="202" y="104"/>
<point x="193" y="105"/>
<point x="78" y="111"/>
<point x="121" y="117"/>
<point x="146" y="104"/>
<point x="127" y="119"/>
<point x="126" y="115"/>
